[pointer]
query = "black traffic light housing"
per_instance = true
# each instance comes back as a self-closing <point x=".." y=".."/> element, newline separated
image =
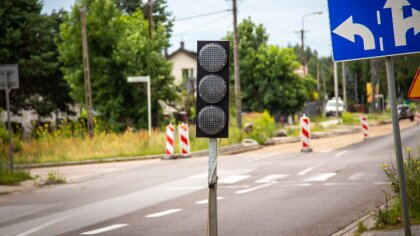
<point x="212" y="106"/>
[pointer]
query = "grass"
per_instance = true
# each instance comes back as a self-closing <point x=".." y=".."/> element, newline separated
<point x="13" y="178"/>
<point x="105" y="145"/>
<point x="54" y="177"/>
<point x="360" y="229"/>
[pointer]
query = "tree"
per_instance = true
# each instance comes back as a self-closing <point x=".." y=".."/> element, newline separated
<point x="28" y="40"/>
<point x="268" y="80"/>
<point x="119" y="46"/>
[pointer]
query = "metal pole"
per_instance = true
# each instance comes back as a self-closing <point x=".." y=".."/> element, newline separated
<point x="9" y="128"/>
<point x="344" y="86"/>
<point x="238" y="97"/>
<point x="336" y="89"/>
<point x="150" y="17"/>
<point x="212" y="181"/>
<point x="149" y="106"/>
<point x="397" y="143"/>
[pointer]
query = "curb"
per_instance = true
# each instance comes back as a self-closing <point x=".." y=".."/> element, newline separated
<point x="350" y="230"/>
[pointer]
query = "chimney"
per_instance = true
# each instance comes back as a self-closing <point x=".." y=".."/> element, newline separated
<point x="182" y="44"/>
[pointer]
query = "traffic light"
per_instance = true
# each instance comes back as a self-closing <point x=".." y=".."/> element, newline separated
<point x="212" y="89"/>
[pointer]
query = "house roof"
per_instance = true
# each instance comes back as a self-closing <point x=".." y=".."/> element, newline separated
<point x="182" y="49"/>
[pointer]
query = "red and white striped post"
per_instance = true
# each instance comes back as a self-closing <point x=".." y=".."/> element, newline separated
<point x="365" y="127"/>
<point x="170" y="138"/>
<point x="305" y="134"/>
<point x="184" y="139"/>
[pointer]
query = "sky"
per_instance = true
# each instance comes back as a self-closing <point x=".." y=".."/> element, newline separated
<point x="281" y="18"/>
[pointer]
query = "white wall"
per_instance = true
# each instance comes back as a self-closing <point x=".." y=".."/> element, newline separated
<point x="182" y="61"/>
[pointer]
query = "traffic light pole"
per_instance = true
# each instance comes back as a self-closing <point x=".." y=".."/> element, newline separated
<point x="212" y="181"/>
<point x="397" y="143"/>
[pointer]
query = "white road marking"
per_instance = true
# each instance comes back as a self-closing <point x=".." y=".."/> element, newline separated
<point x="163" y="213"/>
<point x="184" y="188"/>
<point x="206" y="200"/>
<point x="305" y="171"/>
<point x="381" y="183"/>
<point x="199" y="176"/>
<point x="341" y="153"/>
<point x="309" y="169"/>
<point x="320" y="177"/>
<point x="338" y="184"/>
<point x="231" y="179"/>
<point x="104" y="229"/>
<point x="254" y="188"/>
<point x="296" y="185"/>
<point x="33" y="230"/>
<point x="325" y="151"/>
<point x="359" y="176"/>
<point x="270" y="179"/>
<point x="234" y="186"/>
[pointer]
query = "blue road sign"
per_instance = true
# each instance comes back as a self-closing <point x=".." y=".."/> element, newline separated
<point x="374" y="28"/>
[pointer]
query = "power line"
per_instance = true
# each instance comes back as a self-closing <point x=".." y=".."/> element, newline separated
<point x="201" y="25"/>
<point x="203" y="15"/>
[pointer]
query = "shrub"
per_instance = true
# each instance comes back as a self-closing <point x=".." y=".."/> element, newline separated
<point x="349" y="119"/>
<point x="412" y="179"/>
<point x="13" y="178"/>
<point x="264" y="126"/>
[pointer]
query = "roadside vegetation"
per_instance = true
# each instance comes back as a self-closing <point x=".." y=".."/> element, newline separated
<point x="13" y="178"/>
<point x="390" y="216"/>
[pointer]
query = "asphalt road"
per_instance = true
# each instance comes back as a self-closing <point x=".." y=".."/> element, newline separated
<point x="261" y="193"/>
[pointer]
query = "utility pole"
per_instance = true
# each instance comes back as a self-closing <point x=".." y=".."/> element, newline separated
<point x="88" y="88"/>
<point x="302" y="50"/>
<point x="318" y="86"/>
<point x="238" y="98"/>
<point x="344" y="86"/>
<point x="150" y="17"/>
<point x="336" y="89"/>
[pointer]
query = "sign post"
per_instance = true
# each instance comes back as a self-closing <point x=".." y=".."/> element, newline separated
<point x="378" y="29"/>
<point x="9" y="79"/>
<point x="145" y="79"/>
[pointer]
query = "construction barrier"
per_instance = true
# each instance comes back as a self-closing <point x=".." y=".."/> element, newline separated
<point x="305" y="134"/>
<point x="365" y="127"/>
<point x="170" y="138"/>
<point x="184" y="140"/>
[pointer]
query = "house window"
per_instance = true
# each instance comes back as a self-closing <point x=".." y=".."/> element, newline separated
<point x="187" y="73"/>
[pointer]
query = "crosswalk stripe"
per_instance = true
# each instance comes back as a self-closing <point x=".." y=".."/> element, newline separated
<point x="270" y="179"/>
<point x="254" y="188"/>
<point x="231" y="179"/>
<point x="320" y="177"/>
<point x="104" y="229"/>
<point x="205" y="201"/>
<point x="163" y="213"/>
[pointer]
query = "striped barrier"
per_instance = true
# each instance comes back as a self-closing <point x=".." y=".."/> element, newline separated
<point x="184" y="140"/>
<point x="170" y="138"/>
<point x="365" y="127"/>
<point x="305" y="134"/>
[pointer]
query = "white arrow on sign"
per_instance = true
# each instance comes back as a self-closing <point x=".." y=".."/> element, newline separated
<point x="401" y="24"/>
<point x="348" y="30"/>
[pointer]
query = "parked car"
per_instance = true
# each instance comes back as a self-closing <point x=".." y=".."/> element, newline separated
<point x="330" y="107"/>
<point x="405" y="112"/>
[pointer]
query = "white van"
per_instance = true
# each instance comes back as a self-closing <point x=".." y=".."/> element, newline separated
<point x="330" y="107"/>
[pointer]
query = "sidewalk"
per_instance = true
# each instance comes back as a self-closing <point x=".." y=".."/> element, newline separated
<point x="415" y="231"/>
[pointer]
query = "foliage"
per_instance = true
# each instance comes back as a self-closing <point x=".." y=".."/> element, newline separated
<point x="264" y="126"/>
<point x="61" y="146"/>
<point x="28" y="40"/>
<point x="12" y="178"/>
<point x="119" y="46"/>
<point x="412" y="179"/>
<point x="54" y="177"/>
<point x="360" y="228"/>
<point x="267" y="72"/>
<point x="349" y="118"/>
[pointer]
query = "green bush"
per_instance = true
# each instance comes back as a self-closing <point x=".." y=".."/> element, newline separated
<point x="412" y="179"/>
<point x="349" y="118"/>
<point x="264" y="126"/>
<point x="13" y="178"/>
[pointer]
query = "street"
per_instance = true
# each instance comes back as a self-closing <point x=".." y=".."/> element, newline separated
<point x="263" y="192"/>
